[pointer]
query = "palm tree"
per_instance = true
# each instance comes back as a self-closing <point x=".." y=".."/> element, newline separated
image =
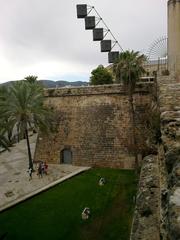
<point x="5" y="121"/>
<point x="3" y="140"/>
<point x="31" y="78"/>
<point x="24" y="108"/>
<point x="127" y="70"/>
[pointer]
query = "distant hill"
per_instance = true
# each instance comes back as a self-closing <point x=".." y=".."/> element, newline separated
<point x="54" y="84"/>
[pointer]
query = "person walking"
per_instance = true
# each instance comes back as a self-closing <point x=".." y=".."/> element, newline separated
<point x="45" y="168"/>
<point x="40" y="170"/>
<point x="30" y="173"/>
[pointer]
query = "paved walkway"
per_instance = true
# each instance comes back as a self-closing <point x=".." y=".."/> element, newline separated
<point x="14" y="180"/>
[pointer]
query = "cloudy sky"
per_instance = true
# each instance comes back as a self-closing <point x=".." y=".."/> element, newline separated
<point x="45" y="38"/>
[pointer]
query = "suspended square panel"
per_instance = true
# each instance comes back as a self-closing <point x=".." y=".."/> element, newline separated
<point x="112" y="57"/>
<point x="90" y="22"/>
<point x="81" y="10"/>
<point x="105" y="45"/>
<point x="98" y="34"/>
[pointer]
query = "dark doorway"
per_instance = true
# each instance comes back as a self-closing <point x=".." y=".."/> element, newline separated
<point x="66" y="156"/>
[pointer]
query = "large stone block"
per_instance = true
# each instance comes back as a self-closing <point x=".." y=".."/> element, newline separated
<point x="113" y="57"/>
<point x="98" y="34"/>
<point x="90" y="22"/>
<point x="105" y="45"/>
<point x="81" y="10"/>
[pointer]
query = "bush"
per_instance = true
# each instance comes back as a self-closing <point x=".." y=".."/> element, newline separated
<point x="100" y="76"/>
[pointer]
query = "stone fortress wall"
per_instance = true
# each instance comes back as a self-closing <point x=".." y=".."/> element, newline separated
<point x="159" y="190"/>
<point x="169" y="157"/>
<point x="94" y="125"/>
<point x="157" y="212"/>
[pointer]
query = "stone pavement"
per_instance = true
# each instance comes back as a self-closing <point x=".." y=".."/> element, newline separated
<point x="14" y="180"/>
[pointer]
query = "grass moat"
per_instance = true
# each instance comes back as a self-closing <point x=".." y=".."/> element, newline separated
<point x="56" y="213"/>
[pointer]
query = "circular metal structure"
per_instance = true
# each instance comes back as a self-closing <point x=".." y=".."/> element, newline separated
<point x="157" y="50"/>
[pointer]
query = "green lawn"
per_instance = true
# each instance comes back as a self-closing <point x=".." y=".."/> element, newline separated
<point x="56" y="213"/>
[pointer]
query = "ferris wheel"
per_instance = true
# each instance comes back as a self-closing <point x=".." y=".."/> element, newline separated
<point x="157" y="50"/>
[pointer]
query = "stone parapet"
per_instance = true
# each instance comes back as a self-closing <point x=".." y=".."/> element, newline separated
<point x="146" y="216"/>
<point x="169" y="103"/>
<point x="96" y="90"/>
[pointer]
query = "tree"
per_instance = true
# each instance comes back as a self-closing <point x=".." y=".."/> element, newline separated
<point x="148" y="132"/>
<point x="31" y="78"/>
<point x="24" y="108"/>
<point x="5" y="121"/>
<point x="127" y="70"/>
<point x="3" y="140"/>
<point x="100" y="76"/>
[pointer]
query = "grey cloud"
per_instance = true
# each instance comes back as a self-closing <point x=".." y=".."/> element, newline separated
<point x="38" y="30"/>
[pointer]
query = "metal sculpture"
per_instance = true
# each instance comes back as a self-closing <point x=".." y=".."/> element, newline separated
<point x="99" y="34"/>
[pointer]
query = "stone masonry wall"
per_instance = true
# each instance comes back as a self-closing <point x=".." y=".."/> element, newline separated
<point x="146" y="217"/>
<point x="169" y="155"/>
<point x="157" y="212"/>
<point x="94" y="123"/>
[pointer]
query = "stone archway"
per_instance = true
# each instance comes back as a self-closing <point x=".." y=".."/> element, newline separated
<point x="66" y="156"/>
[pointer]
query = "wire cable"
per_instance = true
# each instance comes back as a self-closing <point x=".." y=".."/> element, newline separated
<point x="109" y="31"/>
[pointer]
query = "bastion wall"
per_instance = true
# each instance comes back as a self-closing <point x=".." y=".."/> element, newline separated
<point x="157" y="211"/>
<point x="93" y="124"/>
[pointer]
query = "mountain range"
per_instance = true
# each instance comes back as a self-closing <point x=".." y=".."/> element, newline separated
<point x="54" y="84"/>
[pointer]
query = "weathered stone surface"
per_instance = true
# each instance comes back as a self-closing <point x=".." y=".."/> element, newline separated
<point x="174" y="214"/>
<point x="146" y="218"/>
<point x="94" y="123"/>
<point x="169" y="101"/>
<point x="170" y="116"/>
<point x="172" y="157"/>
